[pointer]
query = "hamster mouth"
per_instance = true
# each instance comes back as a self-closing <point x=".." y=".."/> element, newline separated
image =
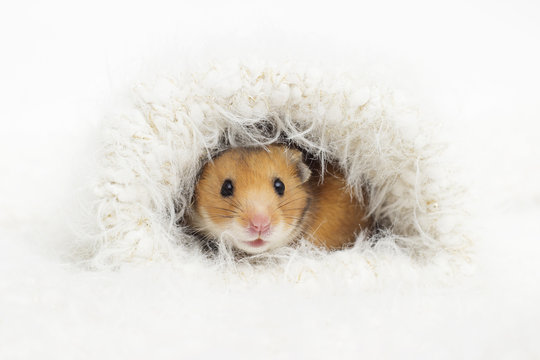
<point x="256" y="243"/>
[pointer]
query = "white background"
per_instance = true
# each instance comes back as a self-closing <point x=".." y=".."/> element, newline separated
<point x="62" y="64"/>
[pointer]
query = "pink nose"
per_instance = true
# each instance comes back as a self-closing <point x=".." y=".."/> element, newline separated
<point x="259" y="223"/>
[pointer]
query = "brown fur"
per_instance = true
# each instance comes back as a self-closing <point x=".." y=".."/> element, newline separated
<point x="336" y="216"/>
<point x="325" y="213"/>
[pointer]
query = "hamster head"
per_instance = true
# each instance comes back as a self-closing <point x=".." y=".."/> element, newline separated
<point x="256" y="198"/>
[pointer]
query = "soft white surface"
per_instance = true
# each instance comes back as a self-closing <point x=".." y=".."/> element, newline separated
<point x="62" y="65"/>
<point x="55" y="311"/>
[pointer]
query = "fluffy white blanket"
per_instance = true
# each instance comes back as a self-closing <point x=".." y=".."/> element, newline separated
<point x="154" y="148"/>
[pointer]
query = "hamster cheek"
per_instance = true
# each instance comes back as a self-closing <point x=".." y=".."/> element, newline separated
<point x="208" y="224"/>
<point x="281" y="235"/>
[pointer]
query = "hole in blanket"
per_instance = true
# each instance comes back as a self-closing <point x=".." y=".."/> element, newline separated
<point x="277" y="194"/>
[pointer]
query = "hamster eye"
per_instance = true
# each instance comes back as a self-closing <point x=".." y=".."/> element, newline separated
<point x="279" y="187"/>
<point x="227" y="188"/>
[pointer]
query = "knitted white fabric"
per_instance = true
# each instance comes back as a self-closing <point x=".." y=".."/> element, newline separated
<point x="154" y="149"/>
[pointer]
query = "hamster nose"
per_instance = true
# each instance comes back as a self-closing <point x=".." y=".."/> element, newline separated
<point x="259" y="223"/>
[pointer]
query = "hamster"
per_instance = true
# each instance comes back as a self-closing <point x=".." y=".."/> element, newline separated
<point x="264" y="198"/>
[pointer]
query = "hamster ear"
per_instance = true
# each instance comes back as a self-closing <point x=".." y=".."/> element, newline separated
<point x="295" y="157"/>
<point x="303" y="171"/>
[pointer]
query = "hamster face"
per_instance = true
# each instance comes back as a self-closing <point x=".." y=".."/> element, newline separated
<point x="254" y="198"/>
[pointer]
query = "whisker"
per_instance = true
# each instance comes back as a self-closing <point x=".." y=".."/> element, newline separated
<point x="289" y="202"/>
<point x="291" y="218"/>
<point x="220" y="208"/>
<point x="285" y="210"/>
<point x="286" y="201"/>
<point x="234" y="204"/>
<point x="215" y="216"/>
